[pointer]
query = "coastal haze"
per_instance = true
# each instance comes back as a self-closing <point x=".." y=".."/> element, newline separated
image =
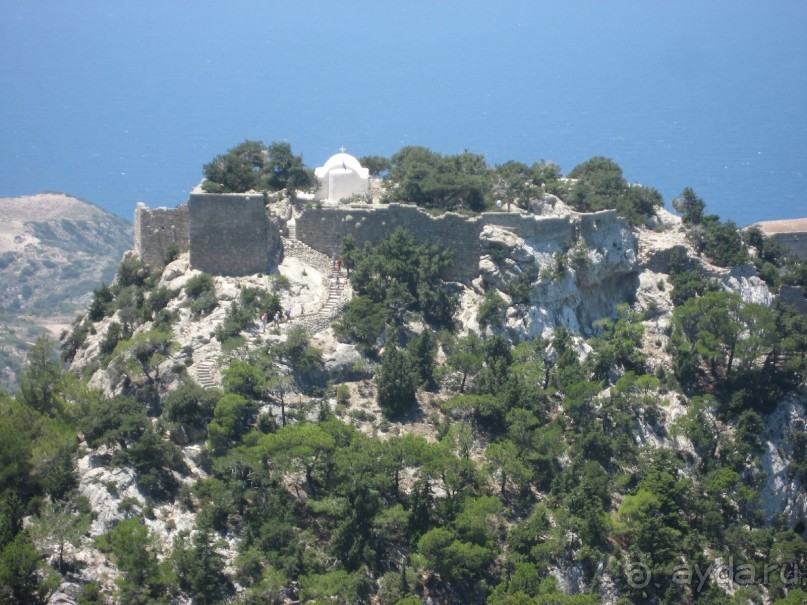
<point x="124" y="102"/>
<point x="54" y="250"/>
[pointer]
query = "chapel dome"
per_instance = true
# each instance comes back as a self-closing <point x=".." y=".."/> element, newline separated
<point x="343" y="161"/>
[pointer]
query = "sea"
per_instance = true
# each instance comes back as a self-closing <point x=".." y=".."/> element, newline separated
<point x="123" y="101"/>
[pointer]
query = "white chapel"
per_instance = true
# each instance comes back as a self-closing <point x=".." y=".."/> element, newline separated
<point x="342" y="177"/>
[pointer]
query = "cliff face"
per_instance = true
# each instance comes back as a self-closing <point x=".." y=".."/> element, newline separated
<point x="548" y="284"/>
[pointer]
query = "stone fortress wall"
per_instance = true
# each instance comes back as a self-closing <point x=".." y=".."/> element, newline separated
<point x="157" y="229"/>
<point x="325" y="229"/>
<point x="226" y="234"/>
<point x="231" y="234"/>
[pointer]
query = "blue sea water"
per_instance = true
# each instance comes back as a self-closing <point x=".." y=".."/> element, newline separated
<point x="123" y="101"/>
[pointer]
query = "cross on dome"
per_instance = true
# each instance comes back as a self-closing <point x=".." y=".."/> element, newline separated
<point x="342" y="149"/>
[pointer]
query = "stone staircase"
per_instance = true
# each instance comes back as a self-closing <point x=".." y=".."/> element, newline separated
<point x="338" y="288"/>
<point x="292" y="227"/>
<point x="206" y="374"/>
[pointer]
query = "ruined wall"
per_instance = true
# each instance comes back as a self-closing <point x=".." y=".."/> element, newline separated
<point x="794" y="240"/>
<point x="324" y="229"/>
<point x="157" y="229"/>
<point x="230" y="234"/>
<point x="560" y="231"/>
<point x="793" y="295"/>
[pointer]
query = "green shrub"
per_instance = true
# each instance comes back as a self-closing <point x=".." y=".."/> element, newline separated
<point x="171" y="254"/>
<point x="362" y="322"/>
<point x="579" y="259"/>
<point x="279" y="282"/>
<point x="133" y="272"/>
<point x="100" y="306"/>
<point x="491" y="311"/>
<point x="114" y="334"/>
<point x="157" y="301"/>
<point x="342" y="394"/>
<point x="201" y="292"/>
<point x="190" y="406"/>
<point x="199" y="284"/>
<point x="397" y="381"/>
<point x="74" y="340"/>
<point x="236" y="319"/>
<point x="258" y="300"/>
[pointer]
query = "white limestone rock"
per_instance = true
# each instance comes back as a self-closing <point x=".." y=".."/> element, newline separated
<point x="341" y="362"/>
<point x="226" y="290"/>
<point x="571" y="288"/>
<point x="177" y="274"/>
<point x="744" y="281"/>
<point x="664" y="219"/>
<point x="782" y="496"/>
<point x="549" y="205"/>
<point x="105" y="487"/>
<point x="175" y="269"/>
<point x="66" y="594"/>
<point x="570" y="580"/>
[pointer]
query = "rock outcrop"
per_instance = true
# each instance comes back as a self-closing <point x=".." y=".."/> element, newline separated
<point x="548" y="285"/>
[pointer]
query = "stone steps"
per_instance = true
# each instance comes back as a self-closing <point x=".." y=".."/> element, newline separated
<point x="205" y="374"/>
<point x="292" y="227"/>
<point x="338" y="292"/>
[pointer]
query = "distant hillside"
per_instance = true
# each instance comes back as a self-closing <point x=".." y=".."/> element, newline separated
<point x="54" y="249"/>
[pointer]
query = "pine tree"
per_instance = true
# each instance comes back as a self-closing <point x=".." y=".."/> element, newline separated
<point x="397" y="381"/>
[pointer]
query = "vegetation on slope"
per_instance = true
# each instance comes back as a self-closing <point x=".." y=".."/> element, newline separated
<point x="545" y="463"/>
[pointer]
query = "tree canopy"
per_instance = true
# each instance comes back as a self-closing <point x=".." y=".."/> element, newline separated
<point x="420" y="176"/>
<point x="599" y="185"/>
<point x="252" y="166"/>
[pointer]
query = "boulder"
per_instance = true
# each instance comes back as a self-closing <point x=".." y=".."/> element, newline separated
<point x="343" y="362"/>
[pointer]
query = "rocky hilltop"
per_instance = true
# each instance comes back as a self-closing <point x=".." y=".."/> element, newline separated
<point x="54" y="249"/>
<point x="566" y="428"/>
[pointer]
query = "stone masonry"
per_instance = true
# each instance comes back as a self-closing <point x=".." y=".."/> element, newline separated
<point x="157" y="229"/>
<point x="229" y="234"/>
<point x="325" y="229"/>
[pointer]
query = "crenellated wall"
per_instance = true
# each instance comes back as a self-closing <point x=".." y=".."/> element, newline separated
<point x="157" y="229"/>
